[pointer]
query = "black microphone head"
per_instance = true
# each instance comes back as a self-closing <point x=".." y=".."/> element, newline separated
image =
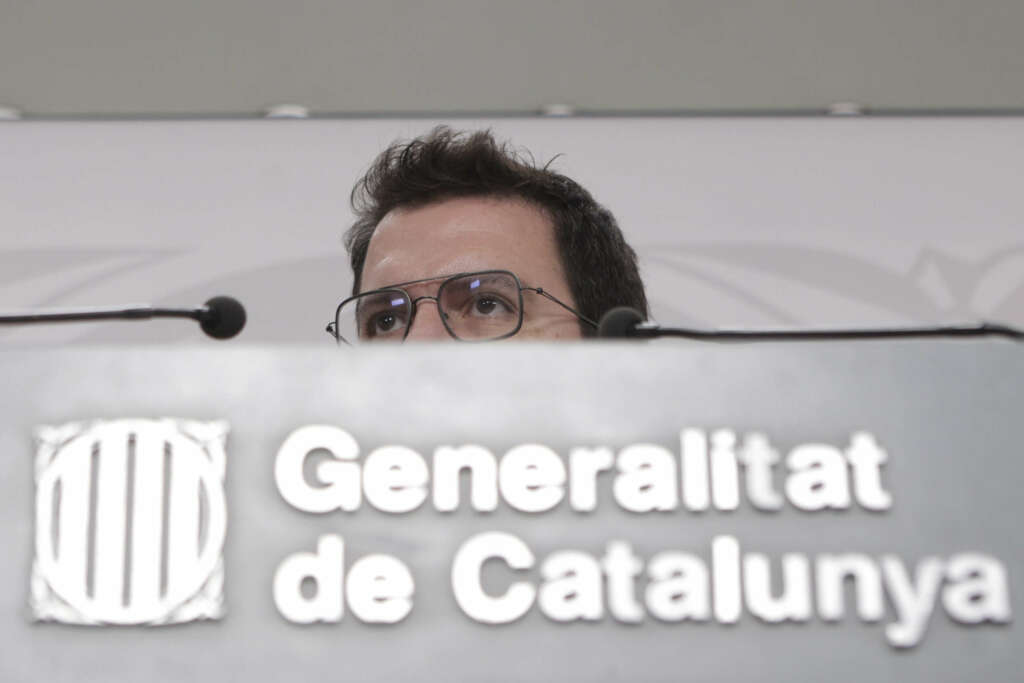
<point x="619" y="323"/>
<point x="224" y="317"/>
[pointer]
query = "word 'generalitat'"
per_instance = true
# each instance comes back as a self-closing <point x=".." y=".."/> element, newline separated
<point x="672" y="586"/>
<point x="533" y="478"/>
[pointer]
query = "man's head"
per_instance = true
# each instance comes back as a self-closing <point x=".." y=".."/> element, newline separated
<point x="453" y="202"/>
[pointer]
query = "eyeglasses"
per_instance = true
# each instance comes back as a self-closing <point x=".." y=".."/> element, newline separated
<point x="481" y="306"/>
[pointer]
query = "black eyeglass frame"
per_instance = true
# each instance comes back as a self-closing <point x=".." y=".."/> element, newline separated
<point x="333" y="327"/>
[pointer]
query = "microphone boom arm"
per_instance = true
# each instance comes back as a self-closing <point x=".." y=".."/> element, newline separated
<point x="114" y="313"/>
<point x="978" y="330"/>
<point x="221" y="317"/>
<point x="628" y="323"/>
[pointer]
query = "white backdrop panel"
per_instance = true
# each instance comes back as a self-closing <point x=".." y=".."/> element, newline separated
<point x="738" y="221"/>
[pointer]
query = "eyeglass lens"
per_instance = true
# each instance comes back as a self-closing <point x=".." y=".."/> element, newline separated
<point x="377" y="316"/>
<point x="480" y="306"/>
<point x="473" y="307"/>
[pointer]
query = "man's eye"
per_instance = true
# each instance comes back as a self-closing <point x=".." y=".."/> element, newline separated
<point x="490" y="305"/>
<point x="384" y="322"/>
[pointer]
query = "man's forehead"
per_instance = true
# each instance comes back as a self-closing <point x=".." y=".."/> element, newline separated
<point x="459" y="235"/>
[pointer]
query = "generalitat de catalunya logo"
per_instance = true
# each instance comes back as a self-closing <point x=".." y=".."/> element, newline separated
<point x="130" y="522"/>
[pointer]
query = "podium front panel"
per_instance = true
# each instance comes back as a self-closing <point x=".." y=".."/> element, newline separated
<point x="779" y="512"/>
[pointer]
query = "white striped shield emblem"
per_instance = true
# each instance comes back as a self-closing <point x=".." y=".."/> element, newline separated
<point x="130" y="522"/>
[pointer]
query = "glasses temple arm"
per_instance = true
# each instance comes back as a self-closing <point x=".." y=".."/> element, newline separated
<point x="540" y="290"/>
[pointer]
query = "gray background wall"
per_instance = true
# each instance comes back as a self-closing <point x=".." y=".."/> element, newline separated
<point x="117" y="57"/>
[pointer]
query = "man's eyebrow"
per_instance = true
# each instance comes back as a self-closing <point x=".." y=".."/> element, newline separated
<point x="416" y="282"/>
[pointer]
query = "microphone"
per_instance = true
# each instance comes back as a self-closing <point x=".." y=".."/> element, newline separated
<point x="628" y="323"/>
<point x="221" y="317"/>
<point x="620" y="322"/>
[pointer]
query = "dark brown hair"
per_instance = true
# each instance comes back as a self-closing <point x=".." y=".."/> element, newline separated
<point x="600" y="267"/>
